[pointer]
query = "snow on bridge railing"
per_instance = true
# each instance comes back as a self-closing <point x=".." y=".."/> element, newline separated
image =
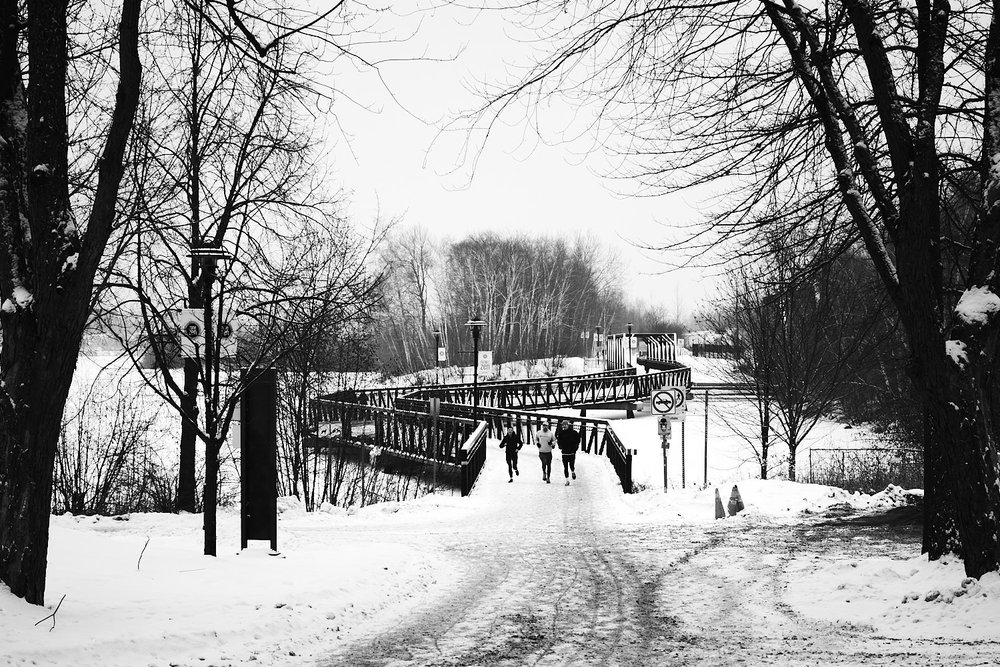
<point x="472" y="458"/>
<point x="620" y="457"/>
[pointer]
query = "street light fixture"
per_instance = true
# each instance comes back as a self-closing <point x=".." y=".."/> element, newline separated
<point x="475" y="326"/>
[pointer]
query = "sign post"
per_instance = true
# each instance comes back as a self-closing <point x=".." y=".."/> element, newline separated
<point x="669" y="404"/>
<point x="663" y="424"/>
<point x="434" y="408"/>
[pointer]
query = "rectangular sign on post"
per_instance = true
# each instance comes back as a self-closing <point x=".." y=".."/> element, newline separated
<point x="228" y="343"/>
<point x="191" y="327"/>
<point x="442" y="354"/>
<point x="485" y="362"/>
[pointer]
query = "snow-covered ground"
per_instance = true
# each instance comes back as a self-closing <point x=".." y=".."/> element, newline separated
<point x="137" y="591"/>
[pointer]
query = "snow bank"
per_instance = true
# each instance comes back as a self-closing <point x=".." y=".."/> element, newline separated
<point x="765" y="501"/>
<point x="131" y="602"/>
<point x="910" y="598"/>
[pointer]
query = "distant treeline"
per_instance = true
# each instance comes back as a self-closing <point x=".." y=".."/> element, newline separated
<point x="540" y="297"/>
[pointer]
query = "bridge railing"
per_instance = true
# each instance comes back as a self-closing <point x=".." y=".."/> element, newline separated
<point x="472" y="458"/>
<point x="596" y="435"/>
<point x="399" y="430"/>
<point x="525" y="422"/>
<point x="385" y="397"/>
<point x="680" y="376"/>
<point x="607" y="388"/>
<point x="620" y="457"/>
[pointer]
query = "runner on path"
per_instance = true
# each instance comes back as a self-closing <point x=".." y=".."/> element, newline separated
<point x="543" y="440"/>
<point x="511" y="442"/>
<point x="569" y="441"/>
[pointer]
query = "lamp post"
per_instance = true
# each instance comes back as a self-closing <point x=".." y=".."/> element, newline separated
<point x="628" y="342"/>
<point x="437" y="355"/>
<point x="209" y="256"/>
<point x="475" y="326"/>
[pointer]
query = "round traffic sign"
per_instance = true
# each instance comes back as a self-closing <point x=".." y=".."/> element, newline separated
<point x="664" y="401"/>
<point x="678" y="395"/>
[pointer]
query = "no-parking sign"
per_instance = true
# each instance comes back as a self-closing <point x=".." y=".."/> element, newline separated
<point x="669" y="401"/>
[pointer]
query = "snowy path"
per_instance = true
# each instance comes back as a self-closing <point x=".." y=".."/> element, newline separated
<point x="546" y="576"/>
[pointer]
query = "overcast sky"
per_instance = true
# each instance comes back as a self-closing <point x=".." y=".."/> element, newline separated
<point x="389" y="152"/>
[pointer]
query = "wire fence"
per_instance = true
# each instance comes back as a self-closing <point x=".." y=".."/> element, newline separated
<point x="867" y="469"/>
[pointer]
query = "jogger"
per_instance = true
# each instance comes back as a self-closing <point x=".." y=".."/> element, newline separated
<point x="543" y="440"/>
<point x="511" y="442"/>
<point x="569" y="441"/>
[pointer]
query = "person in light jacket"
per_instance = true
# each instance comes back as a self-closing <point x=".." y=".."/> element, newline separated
<point x="543" y="440"/>
<point x="511" y="443"/>
<point x="569" y="441"/>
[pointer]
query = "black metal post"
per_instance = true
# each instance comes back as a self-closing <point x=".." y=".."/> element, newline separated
<point x="683" y="462"/>
<point x="475" y="373"/>
<point x="437" y="356"/>
<point x="628" y="343"/>
<point x="706" y="438"/>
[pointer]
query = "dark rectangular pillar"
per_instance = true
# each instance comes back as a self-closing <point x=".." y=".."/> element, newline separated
<point x="259" y="476"/>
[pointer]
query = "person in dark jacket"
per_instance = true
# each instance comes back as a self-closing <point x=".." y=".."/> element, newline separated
<point x="569" y="441"/>
<point x="511" y="442"/>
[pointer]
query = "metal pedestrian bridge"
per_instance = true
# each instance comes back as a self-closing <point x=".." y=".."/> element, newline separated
<point x="398" y="420"/>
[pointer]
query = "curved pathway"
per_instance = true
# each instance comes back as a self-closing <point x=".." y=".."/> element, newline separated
<point x="547" y="576"/>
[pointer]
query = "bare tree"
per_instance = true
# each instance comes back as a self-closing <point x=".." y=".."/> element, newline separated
<point x="226" y="161"/>
<point x="410" y="260"/>
<point x="537" y="295"/>
<point x="107" y="460"/>
<point x="749" y="322"/>
<point x="324" y="352"/>
<point x="49" y="255"/>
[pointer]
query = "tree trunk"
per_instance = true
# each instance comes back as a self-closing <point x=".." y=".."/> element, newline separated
<point x="211" y="497"/>
<point x="940" y="535"/>
<point x="765" y="432"/>
<point x="186" y="484"/>
<point x="28" y="446"/>
<point x="965" y="512"/>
